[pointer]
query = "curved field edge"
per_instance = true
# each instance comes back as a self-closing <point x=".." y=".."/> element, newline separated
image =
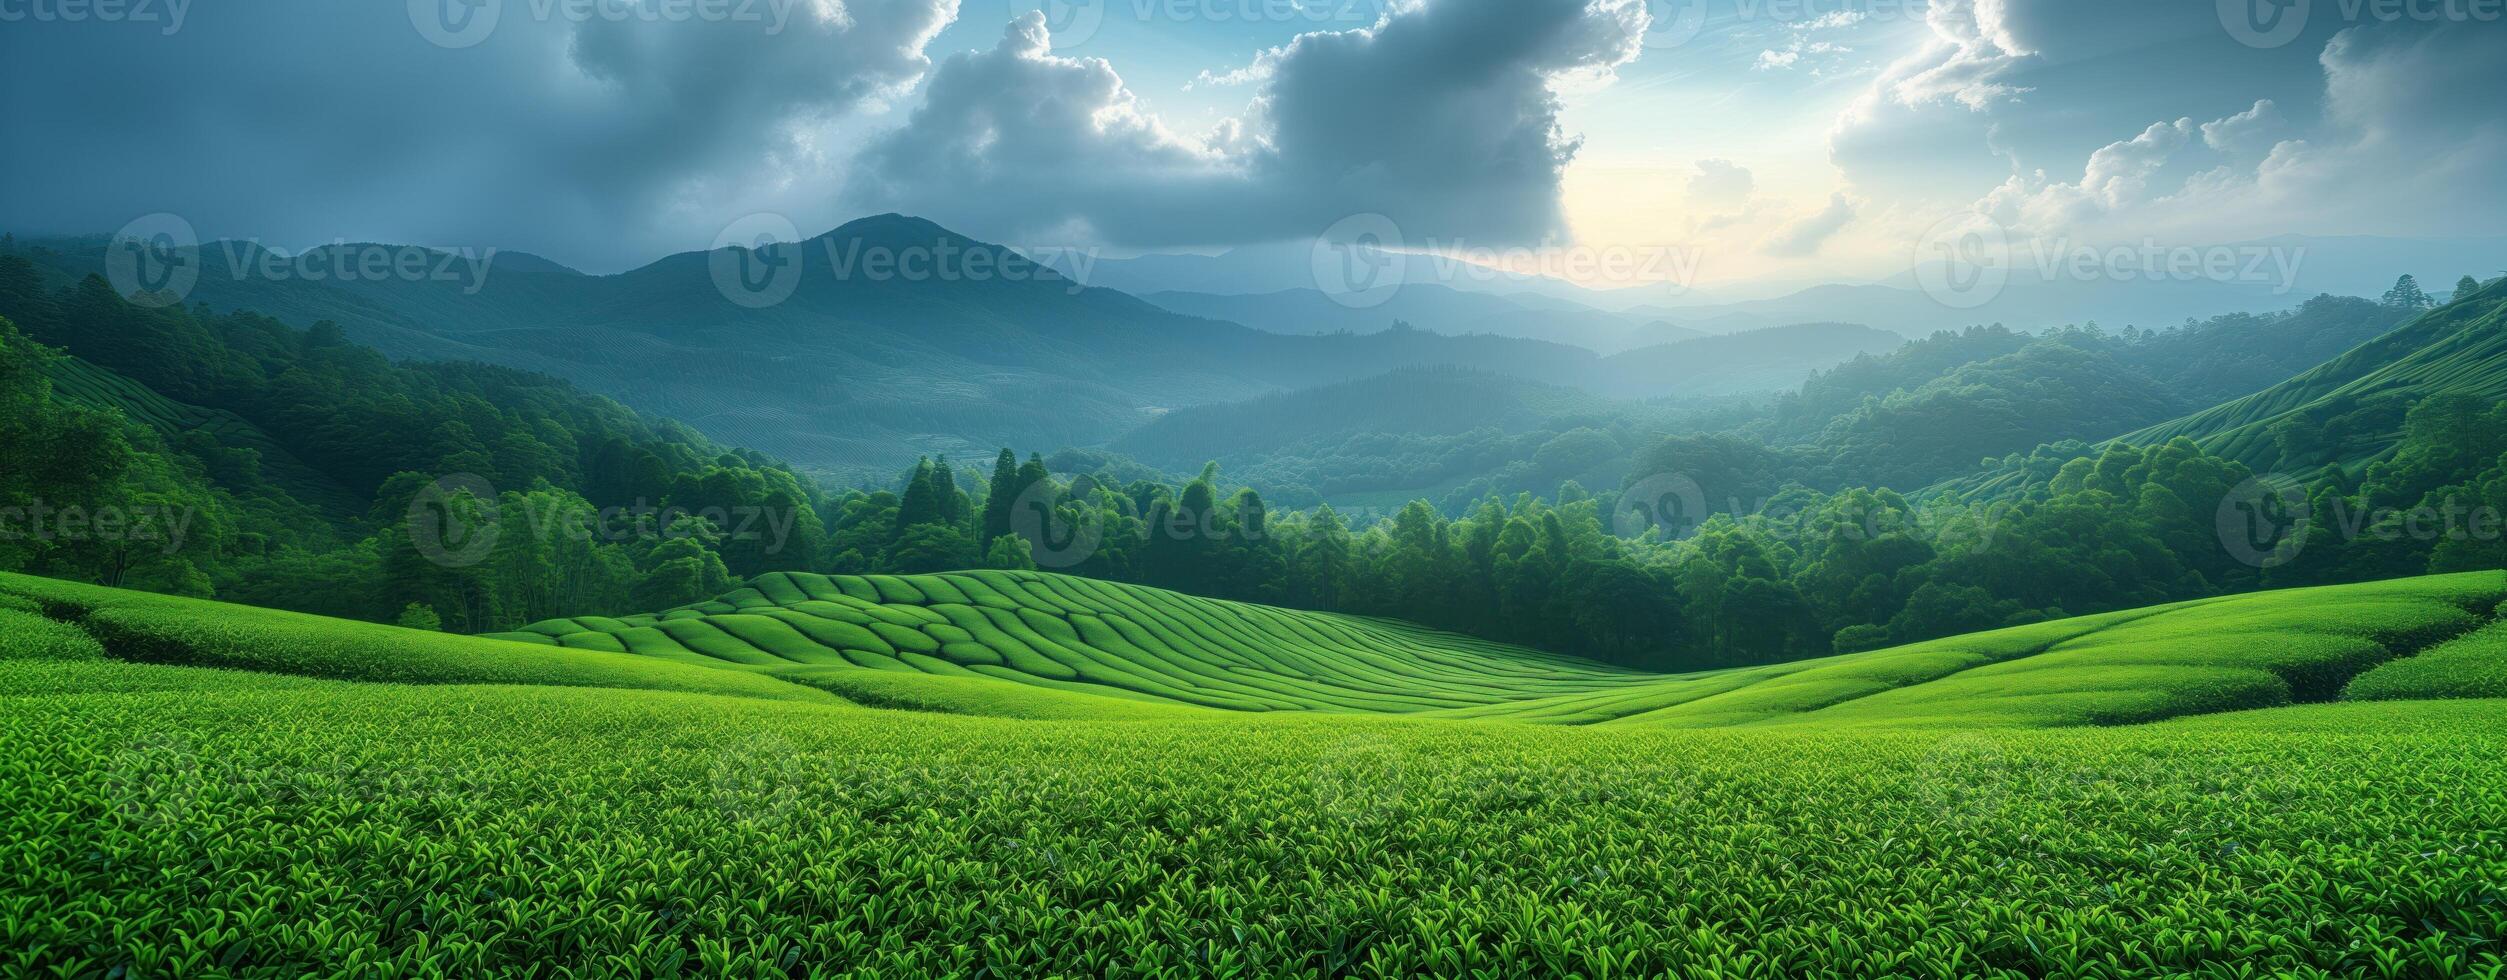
<point x="1073" y="634"/>
<point x="2256" y="650"/>
<point x="1147" y="645"/>
<point x="155" y="629"/>
<point x="1040" y="646"/>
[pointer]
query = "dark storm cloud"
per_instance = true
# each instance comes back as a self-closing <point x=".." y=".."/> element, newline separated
<point x="1442" y="117"/>
<point x="599" y="133"/>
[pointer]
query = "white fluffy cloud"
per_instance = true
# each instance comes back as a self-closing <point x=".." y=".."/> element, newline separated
<point x="1804" y="236"/>
<point x="2117" y="177"/>
<point x="2357" y="128"/>
<point x="2250" y="131"/>
<point x="2410" y="144"/>
<point x="1720" y="183"/>
<point x="1443" y="117"/>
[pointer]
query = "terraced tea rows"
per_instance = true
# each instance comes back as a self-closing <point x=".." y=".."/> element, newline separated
<point x="348" y="799"/>
<point x="2250" y="651"/>
<point x="1069" y="633"/>
<point x="1081" y="636"/>
<point x="222" y="823"/>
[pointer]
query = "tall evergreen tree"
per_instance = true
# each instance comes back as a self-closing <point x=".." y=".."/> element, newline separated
<point x="922" y="503"/>
<point x="1004" y="492"/>
<point x="2407" y="295"/>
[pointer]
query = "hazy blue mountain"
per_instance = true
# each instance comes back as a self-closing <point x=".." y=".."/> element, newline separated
<point x="854" y="367"/>
<point x="1434" y="308"/>
<point x="1765" y="360"/>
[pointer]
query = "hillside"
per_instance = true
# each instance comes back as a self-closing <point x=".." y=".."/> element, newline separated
<point x="1077" y="634"/>
<point x="1432" y="307"/>
<point x="1401" y="403"/>
<point x="83" y="383"/>
<point x="2239" y="652"/>
<point x="478" y="804"/>
<point x="2349" y="410"/>
<point x="1039" y="645"/>
<point x="859" y="363"/>
<point x="1763" y="360"/>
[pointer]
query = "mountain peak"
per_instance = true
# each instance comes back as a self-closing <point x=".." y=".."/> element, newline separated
<point x="895" y="228"/>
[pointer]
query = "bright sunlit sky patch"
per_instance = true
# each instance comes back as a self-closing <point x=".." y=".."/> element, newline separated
<point x="1772" y="139"/>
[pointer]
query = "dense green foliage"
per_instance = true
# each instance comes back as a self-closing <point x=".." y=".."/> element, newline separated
<point x="1767" y="549"/>
<point x="298" y="464"/>
<point x="195" y="633"/>
<point x="165" y="819"/>
<point x="1933" y="409"/>
<point x="1623" y="576"/>
<point x="1025" y="644"/>
<point x="2350" y="408"/>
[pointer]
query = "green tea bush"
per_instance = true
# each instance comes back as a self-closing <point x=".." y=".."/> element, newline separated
<point x="27" y="635"/>
<point x="2474" y="666"/>
<point x="333" y="829"/>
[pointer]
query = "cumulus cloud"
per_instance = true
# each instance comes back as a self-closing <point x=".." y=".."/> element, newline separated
<point x="1989" y="108"/>
<point x="1805" y="236"/>
<point x="2402" y="150"/>
<point x="2248" y="131"/>
<point x="2117" y="177"/>
<point x="1443" y="117"/>
<point x="1720" y="183"/>
<point x="598" y="140"/>
<point x="1974" y="48"/>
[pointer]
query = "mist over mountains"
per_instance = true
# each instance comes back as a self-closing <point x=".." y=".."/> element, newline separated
<point x="891" y="335"/>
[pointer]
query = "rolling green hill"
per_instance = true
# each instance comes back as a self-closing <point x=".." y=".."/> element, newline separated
<point x="81" y="382"/>
<point x="2349" y="410"/>
<point x="1074" y="634"/>
<point x="285" y="795"/>
<point x="1042" y="645"/>
<point x="1078" y="635"/>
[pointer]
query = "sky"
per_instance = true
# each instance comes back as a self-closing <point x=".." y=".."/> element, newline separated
<point x="1752" y="140"/>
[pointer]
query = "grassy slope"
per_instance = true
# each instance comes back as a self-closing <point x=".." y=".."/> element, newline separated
<point x="96" y="387"/>
<point x="1031" y="645"/>
<point x="490" y="812"/>
<point x="245" y="827"/>
<point x="871" y="638"/>
<point x="136" y="626"/>
<point x="1064" y="633"/>
<point x="2457" y="348"/>
<point x="2461" y="347"/>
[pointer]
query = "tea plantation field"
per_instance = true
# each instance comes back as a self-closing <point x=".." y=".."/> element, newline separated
<point x="1067" y="634"/>
<point x="191" y="789"/>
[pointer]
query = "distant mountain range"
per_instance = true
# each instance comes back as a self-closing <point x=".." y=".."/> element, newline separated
<point x="860" y="364"/>
<point x="1434" y="308"/>
<point x="2044" y="289"/>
